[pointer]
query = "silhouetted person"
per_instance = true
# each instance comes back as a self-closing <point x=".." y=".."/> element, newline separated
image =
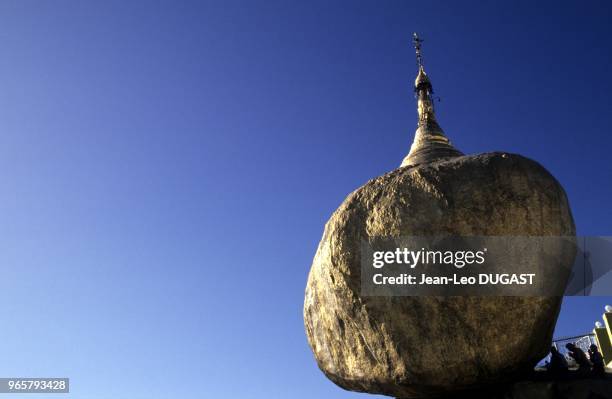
<point x="599" y="368"/>
<point x="584" y="366"/>
<point x="558" y="364"/>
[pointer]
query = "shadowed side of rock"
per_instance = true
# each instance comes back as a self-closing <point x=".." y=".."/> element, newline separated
<point x="571" y="388"/>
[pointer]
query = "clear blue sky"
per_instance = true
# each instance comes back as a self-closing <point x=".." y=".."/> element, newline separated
<point x="166" y="168"/>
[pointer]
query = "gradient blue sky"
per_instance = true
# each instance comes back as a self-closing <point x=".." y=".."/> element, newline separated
<point x="166" y="168"/>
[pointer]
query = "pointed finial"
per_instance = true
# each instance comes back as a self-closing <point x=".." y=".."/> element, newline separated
<point x="417" y="46"/>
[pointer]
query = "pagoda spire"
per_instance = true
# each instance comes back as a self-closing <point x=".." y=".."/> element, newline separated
<point x="430" y="143"/>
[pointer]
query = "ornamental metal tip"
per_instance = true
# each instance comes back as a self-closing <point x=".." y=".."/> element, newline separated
<point x="417" y="46"/>
<point x="430" y="143"/>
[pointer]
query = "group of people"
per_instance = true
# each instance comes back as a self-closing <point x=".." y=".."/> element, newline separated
<point x="591" y="365"/>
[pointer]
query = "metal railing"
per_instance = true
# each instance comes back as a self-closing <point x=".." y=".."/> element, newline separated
<point x="582" y="341"/>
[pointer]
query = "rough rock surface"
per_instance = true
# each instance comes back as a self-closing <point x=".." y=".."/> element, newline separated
<point x="431" y="346"/>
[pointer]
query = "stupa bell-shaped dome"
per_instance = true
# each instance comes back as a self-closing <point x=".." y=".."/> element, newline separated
<point x="430" y="142"/>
